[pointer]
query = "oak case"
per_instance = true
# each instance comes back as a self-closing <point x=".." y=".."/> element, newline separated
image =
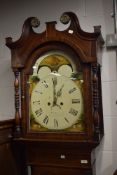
<point x="76" y="142"/>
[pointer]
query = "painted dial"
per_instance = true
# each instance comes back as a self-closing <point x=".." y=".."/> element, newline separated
<point x="56" y="102"/>
<point x="65" y="70"/>
<point x="43" y="72"/>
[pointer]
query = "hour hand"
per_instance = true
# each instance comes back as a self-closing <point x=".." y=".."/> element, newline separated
<point x="59" y="93"/>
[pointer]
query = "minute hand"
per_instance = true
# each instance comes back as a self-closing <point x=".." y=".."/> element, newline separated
<point x="54" y="91"/>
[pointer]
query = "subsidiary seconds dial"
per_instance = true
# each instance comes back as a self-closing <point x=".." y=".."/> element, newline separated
<point x="56" y="102"/>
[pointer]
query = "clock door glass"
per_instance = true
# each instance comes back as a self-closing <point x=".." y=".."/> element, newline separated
<point x="56" y="94"/>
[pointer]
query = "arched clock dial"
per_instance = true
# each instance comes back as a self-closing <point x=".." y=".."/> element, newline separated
<point x="56" y="102"/>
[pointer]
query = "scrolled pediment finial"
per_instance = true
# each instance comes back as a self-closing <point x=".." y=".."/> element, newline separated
<point x="35" y="22"/>
<point x="71" y="17"/>
<point x="65" y="18"/>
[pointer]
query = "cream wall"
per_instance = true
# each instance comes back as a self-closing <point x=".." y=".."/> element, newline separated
<point x="90" y="13"/>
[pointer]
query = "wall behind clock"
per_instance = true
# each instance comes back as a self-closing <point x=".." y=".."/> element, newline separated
<point x="90" y="13"/>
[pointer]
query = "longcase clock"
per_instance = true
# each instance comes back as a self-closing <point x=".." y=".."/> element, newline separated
<point x="58" y="104"/>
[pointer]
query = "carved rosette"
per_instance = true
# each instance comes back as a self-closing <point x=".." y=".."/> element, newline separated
<point x="35" y="22"/>
<point x="65" y="18"/>
<point x="95" y="92"/>
<point x="17" y="103"/>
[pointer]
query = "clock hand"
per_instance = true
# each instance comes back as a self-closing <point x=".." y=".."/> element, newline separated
<point x="59" y="93"/>
<point x="54" y="79"/>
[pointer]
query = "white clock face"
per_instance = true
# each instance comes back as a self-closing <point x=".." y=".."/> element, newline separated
<point x="56" y="102"/>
